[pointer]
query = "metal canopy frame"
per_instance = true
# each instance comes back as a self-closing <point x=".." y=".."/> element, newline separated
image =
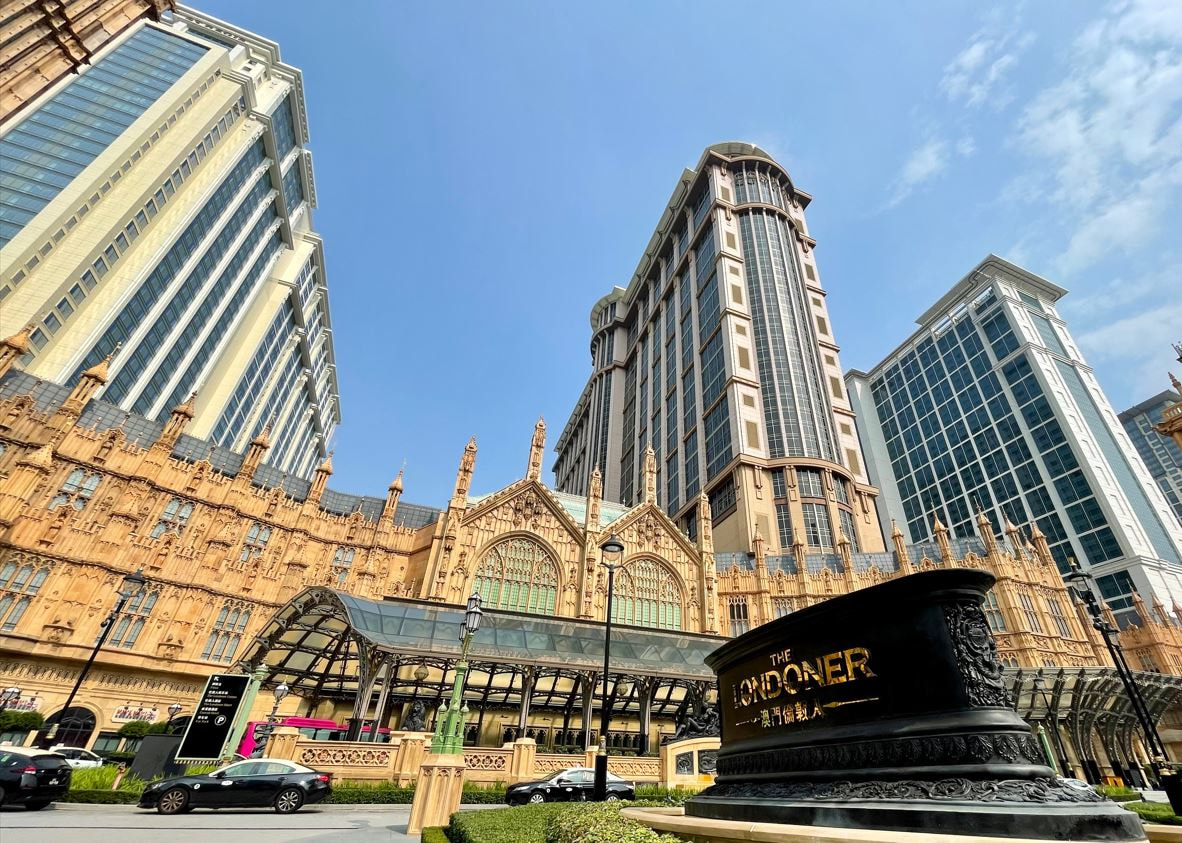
<point x="326" y="644"/>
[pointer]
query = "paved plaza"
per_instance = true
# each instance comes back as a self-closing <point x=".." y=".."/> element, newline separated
<point x="71" y="823"/>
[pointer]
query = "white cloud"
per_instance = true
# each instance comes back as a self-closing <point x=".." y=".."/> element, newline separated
<point x="1140" y="346"/>
<point x="965" y="147"/>
<point x="977" y="75"/>
<point x="924" y="164"/>
<point x="1107" y="139"/>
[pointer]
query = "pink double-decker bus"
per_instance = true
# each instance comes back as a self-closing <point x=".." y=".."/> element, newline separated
<point x="258" y="731"/>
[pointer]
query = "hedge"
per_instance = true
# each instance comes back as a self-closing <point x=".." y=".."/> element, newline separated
<point x="1154" y="812"/>
<point x="434" y="834"/>
<point x="524" y="824"/>
<point x="599" y="823"/>
<point x="101" y="797"/>
<point x="562" y="822"/>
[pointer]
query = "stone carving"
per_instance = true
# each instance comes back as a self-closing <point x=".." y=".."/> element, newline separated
<point x="704" y="725"/>
<point x="935" y="750"/>
<point x="976" y="654"/>
<point x="416" y="718"/>
<point x="998" y="790"/>
<point x="708" y="761"/>
<point x="684" y="763"/>
<point x="486" y="759"/>
<point x="345" y="756"/>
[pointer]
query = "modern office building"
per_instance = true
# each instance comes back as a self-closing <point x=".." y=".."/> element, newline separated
<point x="719" y="356"/>
<point x="1161" y="454"/>
<point x="990" y="406"/>
<point x="155" y="214"/>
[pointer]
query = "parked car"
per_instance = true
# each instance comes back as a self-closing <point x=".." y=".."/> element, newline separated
<point x="77" y="757"/>
<point x="255" y="783"/>
<point x="32" y="777"/>
<point x="575" y="784"/>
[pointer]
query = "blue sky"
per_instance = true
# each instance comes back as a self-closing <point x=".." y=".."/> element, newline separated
<point x="485" y="172"/>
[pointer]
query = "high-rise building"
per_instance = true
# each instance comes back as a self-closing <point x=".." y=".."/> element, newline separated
<point x="990" y="406"/>
<point x="1162" y="455"/>
<point x="156" y="210"/>
<point x="720" y="358"/>
<point x="42" y="42"/>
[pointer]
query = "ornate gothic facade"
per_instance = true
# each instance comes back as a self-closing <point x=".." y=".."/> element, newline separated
<point x="89" y="493"/>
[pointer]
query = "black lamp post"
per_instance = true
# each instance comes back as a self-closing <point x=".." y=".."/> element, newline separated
<point x="1081" y="582"/>
<point x="173" y="711"/>
<point x="8" y="696"/>
<point x="132" y="585"/>
<point x="614" y="546"/>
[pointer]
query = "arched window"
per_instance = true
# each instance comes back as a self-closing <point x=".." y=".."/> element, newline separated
<point x="19" y="583"/>
<point x="647" y="594"/>
<point x="519" y="575"/>
<point x="74" y="726"/>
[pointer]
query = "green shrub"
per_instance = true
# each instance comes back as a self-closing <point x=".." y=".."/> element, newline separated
<point x="667" y="795"/>
<point x="599" y="823"/>
<point x="525" y="824"/>
<point x="1154" y="812"/>
<point x="1120" y="794"/>
<point x="434" y="834"/>
<point x="370" y="796"/>
<point x="101" y="797"/>
<point x="20" y="721"/>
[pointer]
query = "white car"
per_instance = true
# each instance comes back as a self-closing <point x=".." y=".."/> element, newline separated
<point x="77" y="758"/>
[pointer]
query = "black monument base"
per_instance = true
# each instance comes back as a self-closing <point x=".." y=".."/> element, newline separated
<point x="1043" y="809"/>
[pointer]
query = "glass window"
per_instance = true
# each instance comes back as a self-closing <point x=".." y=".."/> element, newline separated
<point x="519" y="575"/>
<point x="77" y="490"/>
<point x="647" y="594"/>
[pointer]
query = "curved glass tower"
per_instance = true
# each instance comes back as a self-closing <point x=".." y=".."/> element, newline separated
<point x="719" y="356"/>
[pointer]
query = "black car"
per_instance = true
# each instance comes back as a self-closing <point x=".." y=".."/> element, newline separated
<point x="262" y="783"/>
<point x="32" y="777"/>
<point x="573" y="785"/>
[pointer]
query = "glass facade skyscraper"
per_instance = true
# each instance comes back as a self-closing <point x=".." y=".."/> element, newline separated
<point x="990" y="407"/>
<point x="1161" y="454"/>
<point x="719" y="356"/>
<point x="155" y="209"/>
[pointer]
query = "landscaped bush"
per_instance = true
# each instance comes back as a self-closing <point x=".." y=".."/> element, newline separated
<point x="667" y="795"/>
<point x="1154" y="812"/>
<point x="599" y="823"/>
<point x="434" y="834"/>
<point x="525" y="824"/>
<point x="345" y="795"/>
<point x="20" y="721"/>
<point x="1118" y="794"/>
<point x="101" y="797"/>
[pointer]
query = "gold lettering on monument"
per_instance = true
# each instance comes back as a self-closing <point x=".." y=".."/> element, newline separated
<point x="791" y="682"/>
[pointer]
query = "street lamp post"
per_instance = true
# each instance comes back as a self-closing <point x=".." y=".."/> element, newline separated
<point x="449" y="725"/>
<point x="9" y="696"/>
<point x="281" y="691"/>
<point x="173" y="711"/>
<point x="132" y="585"/>
<point x="1081" y="581"/>
<point x="614" y="546"/>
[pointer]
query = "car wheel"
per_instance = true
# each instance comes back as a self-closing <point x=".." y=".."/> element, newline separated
<point x="173" y="801"/>
<point x="289" y="800"/>
<point x="35" y="806"/>
<point x="537" y="798"/>
<point x="611" y="797"/>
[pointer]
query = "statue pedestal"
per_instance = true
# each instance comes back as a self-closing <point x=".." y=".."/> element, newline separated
<point x="437" y="792"/>
<point x="689" y="763"/>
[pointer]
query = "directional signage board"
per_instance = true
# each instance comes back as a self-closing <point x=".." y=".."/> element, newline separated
<point x="213" y="721"/>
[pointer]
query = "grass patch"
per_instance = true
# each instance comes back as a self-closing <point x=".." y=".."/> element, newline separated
<point x="1153" y="812"/>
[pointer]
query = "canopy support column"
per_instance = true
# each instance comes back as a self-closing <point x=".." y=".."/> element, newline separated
<point x="528" y="676"/>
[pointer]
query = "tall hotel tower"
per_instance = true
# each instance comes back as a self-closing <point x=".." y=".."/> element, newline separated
<point x="155" y="213"/>
<point x="720" y="358"/>
<point x="991" y="406"/>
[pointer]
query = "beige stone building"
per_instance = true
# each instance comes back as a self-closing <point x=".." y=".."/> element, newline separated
<point x="245" y="565"/>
